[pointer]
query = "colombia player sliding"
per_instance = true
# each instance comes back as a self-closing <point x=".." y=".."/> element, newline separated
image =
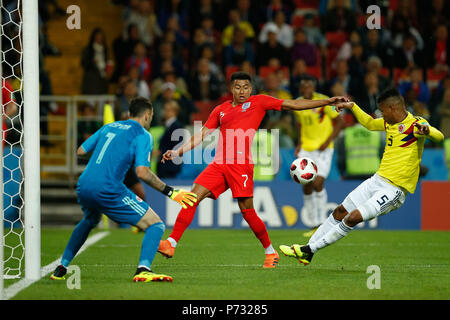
<point x="386" y="190"/>
<point x="232" y="166"/>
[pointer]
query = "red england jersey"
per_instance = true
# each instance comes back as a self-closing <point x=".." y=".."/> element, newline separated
<point x="238" y="126"/>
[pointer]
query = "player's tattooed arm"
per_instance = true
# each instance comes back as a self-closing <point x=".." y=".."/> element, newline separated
<point x="303" y="104"/>
<point x="146" y="175"/>
<point x="184" y="198"/>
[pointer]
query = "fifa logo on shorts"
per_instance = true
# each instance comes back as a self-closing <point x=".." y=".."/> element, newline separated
<point x="74" y="280"/>
<point x="374" y="20"/>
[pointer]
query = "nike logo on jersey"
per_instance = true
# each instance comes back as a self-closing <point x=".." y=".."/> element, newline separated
<point x="221" y="116"/>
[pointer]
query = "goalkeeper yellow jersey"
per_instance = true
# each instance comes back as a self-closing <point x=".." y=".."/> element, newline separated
<point x="316" y="124"/>
<point x="403" y="150"/>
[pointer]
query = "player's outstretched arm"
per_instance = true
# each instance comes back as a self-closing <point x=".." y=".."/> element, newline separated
<point x="183" y="197"/>
<point x="80" y="152"/>
<point x="88" y="145"/>
<point x="428" y="131"/>
<point x="365" y="119"/>
<point x="195" y="140"/>
<point x="304" y="104"/>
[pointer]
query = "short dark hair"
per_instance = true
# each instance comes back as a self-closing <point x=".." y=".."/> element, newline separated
<point x="240" y="75"/>
<point x="308" y="78"/>
<point x="138" y="106"/>
<point x="390" y="92"/>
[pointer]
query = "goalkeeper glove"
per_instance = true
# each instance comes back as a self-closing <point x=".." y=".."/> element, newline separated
<point x="183" y="197"/>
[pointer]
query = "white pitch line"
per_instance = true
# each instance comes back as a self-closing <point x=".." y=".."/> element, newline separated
<point x="15" y="288"/>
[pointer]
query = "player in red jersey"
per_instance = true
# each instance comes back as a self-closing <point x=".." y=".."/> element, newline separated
<point x="232" y="167"/>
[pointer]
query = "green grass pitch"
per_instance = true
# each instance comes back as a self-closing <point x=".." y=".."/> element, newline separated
<point x="227" y="265"/>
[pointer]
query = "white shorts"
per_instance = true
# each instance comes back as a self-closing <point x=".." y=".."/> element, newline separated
<point x="321" y="158"/>
<point x="374" y="197"/>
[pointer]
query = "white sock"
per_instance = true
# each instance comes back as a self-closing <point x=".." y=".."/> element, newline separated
<point x="329" y="223"/>
<point x="172" y="241"/>
<point x="269" y="250"/>
<point x="321" y="199"/>
<point x="308" y="202"/>
<point x="145" y="267"/>
<point x="339" y="231"/>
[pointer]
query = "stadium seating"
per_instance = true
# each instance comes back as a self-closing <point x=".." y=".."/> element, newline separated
<point x="65" y="70"/>
<point x="264" y="71"/>
<point x="433" y="78"/>
<point x="362" y="19"/>
<point x="385" y="72"/>
<point x="336" y="39"/>
<point x="306" y="4"/>
<point x="315" y="71"/>
<point x="229" y="70"/>
<point x="204" y="109"/>
<point x="399" y="75"/>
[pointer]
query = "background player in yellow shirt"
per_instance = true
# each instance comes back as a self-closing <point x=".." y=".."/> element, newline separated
<point x="317" y="130"/>
<point x="385" y="190"/>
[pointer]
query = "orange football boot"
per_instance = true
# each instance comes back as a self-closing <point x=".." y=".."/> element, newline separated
<point x="166" y="249"/>
<point x="271" y="260"/>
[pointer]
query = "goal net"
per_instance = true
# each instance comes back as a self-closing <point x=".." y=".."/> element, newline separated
<point x="20" y="169"/>
<point x="12" y="139"/>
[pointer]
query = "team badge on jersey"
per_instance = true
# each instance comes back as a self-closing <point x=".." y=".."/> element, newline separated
<point x="245" y="106"/>
<point x="401" y="128"/>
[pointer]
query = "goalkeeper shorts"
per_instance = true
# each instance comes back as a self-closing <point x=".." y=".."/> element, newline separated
<point x="124" y="207"/>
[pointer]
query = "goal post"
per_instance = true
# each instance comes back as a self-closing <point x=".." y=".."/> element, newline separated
<point x="20" y="231"/>
<point x="31" y="152"/>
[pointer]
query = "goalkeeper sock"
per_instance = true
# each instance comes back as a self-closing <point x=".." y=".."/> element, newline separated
<point x="150" y="244"/>
<point x="329" y="223"/>
<point x="339" y="231"/>
<point x="184" y="219"/>
<point x="77" y="239"/>
<point x="258" y="227"/>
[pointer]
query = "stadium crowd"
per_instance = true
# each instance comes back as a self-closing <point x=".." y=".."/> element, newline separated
<point x="182" y="53"/>
<point x="186" y="50"/>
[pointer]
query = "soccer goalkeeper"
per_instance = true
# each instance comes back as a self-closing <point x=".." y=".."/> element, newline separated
<point x="100" y="189"/>
<point x="386" y="190"/>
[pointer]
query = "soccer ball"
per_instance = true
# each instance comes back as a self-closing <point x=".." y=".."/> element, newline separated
<point x="303" y="170"/>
